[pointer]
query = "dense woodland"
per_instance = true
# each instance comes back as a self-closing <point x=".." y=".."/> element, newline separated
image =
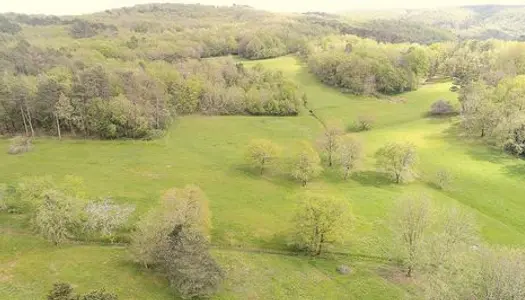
<point x="127" y="73"/>
<point x="505" y="22"/>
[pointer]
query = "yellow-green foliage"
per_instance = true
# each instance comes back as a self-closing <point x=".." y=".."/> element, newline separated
<point x="320" y="221"/>
<point x="261" y="152"/>
<point x="307" y="164"/>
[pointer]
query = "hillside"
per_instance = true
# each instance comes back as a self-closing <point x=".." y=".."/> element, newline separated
<point x="208" y="151"/>
<point x="170" y="151"/>
<point x="474" y="22"/>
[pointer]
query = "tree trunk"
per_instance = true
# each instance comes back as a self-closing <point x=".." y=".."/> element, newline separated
<point x="58" y="127"/>
<point x="409" y="271"/>
<point x="330" y="159"/>
<point x="30" y="122"/>
<point x="304" y="183"/>
<point x="398" y="178"/>
<point x="347" y="172"/>
<point x="320" y="249"/>
<point x="482" y="132"/>
<point x="24" y="120"/>
<point x="84" y="126"/>
<point x="156" y="112"/>
<point x="262" y="166"/>
<point x="71" y="127"/>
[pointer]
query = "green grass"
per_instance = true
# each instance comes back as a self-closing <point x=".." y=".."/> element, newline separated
<point x="250" y="212"/>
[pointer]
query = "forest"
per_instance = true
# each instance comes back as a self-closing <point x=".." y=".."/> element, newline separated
<point x="192" y="151"/>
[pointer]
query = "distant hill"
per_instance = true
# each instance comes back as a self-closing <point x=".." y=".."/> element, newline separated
<point x="475" y="22"/>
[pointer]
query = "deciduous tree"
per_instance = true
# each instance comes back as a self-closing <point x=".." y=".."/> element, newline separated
<point x="350" y="153"/>
<point x="260" y="153"/>
<point x="410" y="221"/>
<point x="56" y="216"/>
<point x="329" y="139"/>
<point x="307" y="164"/>
<point x="175" y="238"/>
<point x="397" y="160"/>
<point x="320" y="221"/>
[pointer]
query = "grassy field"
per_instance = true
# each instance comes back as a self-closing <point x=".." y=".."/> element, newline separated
<point x="251" y="213"/>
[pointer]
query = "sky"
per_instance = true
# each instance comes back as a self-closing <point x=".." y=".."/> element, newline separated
<point x="63" y="7"/>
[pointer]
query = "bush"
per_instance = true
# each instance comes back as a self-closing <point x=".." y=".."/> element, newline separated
<point x="365" y="123"/>
<point x="3" y="198"/>
<point x="56" y="217"/>
<point x="64" y="291"/>
<point x="20" y="145"/>
<point x="444" y="179"/>
<point x="454" y="88"/>
<point x="442" y="108"/>
<point x="61" y="291"/>
<point x="105" y="217"/>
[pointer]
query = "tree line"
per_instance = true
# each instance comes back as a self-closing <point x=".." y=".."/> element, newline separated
<point x="137" y="101"/>
<point x="366" y="67"/>
<point x="490" y="75"/>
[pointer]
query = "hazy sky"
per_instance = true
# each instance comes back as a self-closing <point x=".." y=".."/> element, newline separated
<point x="86" y="6"/>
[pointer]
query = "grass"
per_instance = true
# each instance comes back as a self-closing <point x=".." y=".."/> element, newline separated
<point x="250" y="212"/>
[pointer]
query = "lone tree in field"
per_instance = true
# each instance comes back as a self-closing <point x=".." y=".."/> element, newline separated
<point x="350" y="153"/>
<point x="260" y="153"/>
<point x="175" y="239"/>
<point x="397" y="160"/>
<point x="307" y="164"/>
<point x="329" y="140"/>
<point x="320" y="221"/>
<point x="410" y="220"/>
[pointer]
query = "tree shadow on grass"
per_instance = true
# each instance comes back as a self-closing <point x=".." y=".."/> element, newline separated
<point x="517" y="170"/>
<point x="371" y="178"/>
<point x="488" y="153"/>
<point x="476" y="147"/>
<point x="271" y="174"/>
<point x="440" y="119"/>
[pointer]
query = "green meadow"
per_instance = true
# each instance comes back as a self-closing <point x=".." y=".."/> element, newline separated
<point x="252" y="214"/>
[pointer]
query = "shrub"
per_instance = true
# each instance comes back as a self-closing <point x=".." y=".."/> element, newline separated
<point x="4" y="206"/>
<point x="442" y="108"/>
<point x="444" y="179"/>
<point x="20" y="145"/>
<point x="105" y="217"/>
<point x="365" y="123"/>
<point x="56" y="217"/>
<point x="61" y="291"/>
<point x="454" y="88"/>
<point x="64" y="291"/>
